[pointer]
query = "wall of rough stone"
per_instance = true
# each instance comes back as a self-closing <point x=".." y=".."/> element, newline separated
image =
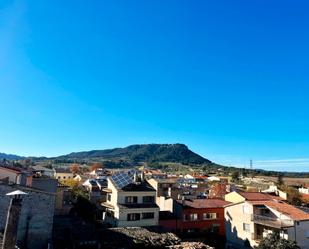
<point x="36" y="215"/>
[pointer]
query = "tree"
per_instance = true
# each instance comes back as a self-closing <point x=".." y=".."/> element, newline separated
<point x="273" y="241"/>
<point x="95" y="166"/>
<point x="75" y="168"/>
<point x="244" y="173"/>
<point x="294" y="197"/>
<point x="280" y="180"/>
<point x="84" y="208"/>
<point x="235" y="176"/>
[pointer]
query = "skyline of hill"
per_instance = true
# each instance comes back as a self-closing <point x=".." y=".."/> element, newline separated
<point x="178" y="153"/>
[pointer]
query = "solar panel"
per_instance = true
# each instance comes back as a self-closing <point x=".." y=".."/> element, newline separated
<point x="121" y="179"/>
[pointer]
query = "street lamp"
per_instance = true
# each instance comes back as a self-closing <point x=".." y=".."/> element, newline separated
<point x="10" y="233"/>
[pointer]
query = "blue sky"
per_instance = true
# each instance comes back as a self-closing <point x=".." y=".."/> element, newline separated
<point x="227" y="78"/>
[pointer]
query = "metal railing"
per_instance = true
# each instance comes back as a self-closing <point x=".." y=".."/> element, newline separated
<point x="272" y="222"/>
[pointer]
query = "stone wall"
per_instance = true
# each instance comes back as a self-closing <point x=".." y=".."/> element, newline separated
<point x="36" y="220"/>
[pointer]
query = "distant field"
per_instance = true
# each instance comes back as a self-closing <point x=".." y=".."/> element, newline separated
<point x="287" y="180"/>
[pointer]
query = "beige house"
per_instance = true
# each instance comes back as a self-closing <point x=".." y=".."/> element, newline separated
<point x="63" y="174"/>
<point x="16" y="175"/>
<point x="130" y="202"/>
<point x="251" y="218"/>
<point x="165" y="192"/>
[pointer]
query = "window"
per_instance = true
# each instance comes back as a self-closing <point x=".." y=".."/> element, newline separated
<point x="246" y="227"/>
<point x="265" y="211"/>
<point x="245" y="209"/>
<point x="133" y="216"/>
<point x="109" y="197"/>
<point x="147" y="216"/>
<point x="131" y="199"/>
<point x="64" y="177"/>
<point x="188" y="217"/>
<point x="208" y="216"/>
<point x="193" y="217"/>
<point x="148" y="199"/>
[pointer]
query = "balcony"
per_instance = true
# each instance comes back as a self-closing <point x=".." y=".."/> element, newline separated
<point x="107" y="190"/>
<point x="107" y="205"/>
<point x="272" y="222"/>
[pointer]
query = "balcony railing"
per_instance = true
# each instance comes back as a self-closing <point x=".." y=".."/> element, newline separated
<point x="271" y="222"/>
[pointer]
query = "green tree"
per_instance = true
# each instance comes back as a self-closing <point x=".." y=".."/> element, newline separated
<point x="280" y="180"/>
<point x="273" y="241"/>
<point x="84" y="208"/>
<point x="294" y="197"/>
<point x="235" y="176"/>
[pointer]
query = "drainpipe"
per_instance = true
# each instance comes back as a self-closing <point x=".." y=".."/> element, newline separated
<point x="295" y="230"/>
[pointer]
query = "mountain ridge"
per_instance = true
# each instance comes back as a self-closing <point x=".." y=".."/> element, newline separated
<point x="143" y="153"/>
<point x="10" y="156"/>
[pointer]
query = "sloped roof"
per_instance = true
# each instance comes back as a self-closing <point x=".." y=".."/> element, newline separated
<point x="139" y="187"/>
<point x="289" y="210"/>
<point x="204" y="203"/>
<point x="305" y="197"/>
<point x="213" y="178"/>
<point x="63" y="170"/>
<point x="254" y="196"/>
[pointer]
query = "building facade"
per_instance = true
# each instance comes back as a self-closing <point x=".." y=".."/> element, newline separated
<point x="197" y="216"/>
<point x="130" y="203"/>
<point x="36" y="218"/>
<point x="251" y="218"/>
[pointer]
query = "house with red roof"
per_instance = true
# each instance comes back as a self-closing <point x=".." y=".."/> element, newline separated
<point x="252" y="216"/>
<point x="198" y="215"/>
<point x="16" y="175"/>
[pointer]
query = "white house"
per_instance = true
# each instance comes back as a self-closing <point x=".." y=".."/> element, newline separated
<point x="130" y="202"/>
<point x="257" y="215"/>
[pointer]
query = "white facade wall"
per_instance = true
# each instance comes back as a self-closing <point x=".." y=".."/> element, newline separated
<point x="64" y="176"/>
<point x="122" y="217"/>
<point x="235" y="217"/>
<point x="303" y="190"/>
<point x="120" y="213"/>
<point x="301" y="229"/>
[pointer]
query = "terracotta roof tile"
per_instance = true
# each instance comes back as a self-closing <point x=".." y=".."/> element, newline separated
<point x="305" y="198"/>
<point x="284" y="208"/>
<point x="204" y="203"/>
<point x="254" y="196"/>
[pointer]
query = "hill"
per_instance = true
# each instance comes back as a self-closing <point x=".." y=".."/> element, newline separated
<point x="9" y="157"/>
<point x="178" y="153"/>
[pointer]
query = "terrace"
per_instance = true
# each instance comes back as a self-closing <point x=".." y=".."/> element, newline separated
<point x="272" y="222"/>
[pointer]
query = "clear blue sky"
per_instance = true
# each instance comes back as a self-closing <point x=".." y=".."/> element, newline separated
<point x="227" y="78"/>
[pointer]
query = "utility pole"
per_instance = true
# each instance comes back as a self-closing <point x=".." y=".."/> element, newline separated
<point x="11" y="227"/>
<point x="251" y="164"/>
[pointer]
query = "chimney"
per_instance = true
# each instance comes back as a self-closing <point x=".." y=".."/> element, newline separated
<point x="142" y="176"/>
<point x="11" y="227"/>
<point x="135" y="177"/>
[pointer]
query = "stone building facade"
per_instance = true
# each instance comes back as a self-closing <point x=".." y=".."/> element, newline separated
<point x="36" y="219"/>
